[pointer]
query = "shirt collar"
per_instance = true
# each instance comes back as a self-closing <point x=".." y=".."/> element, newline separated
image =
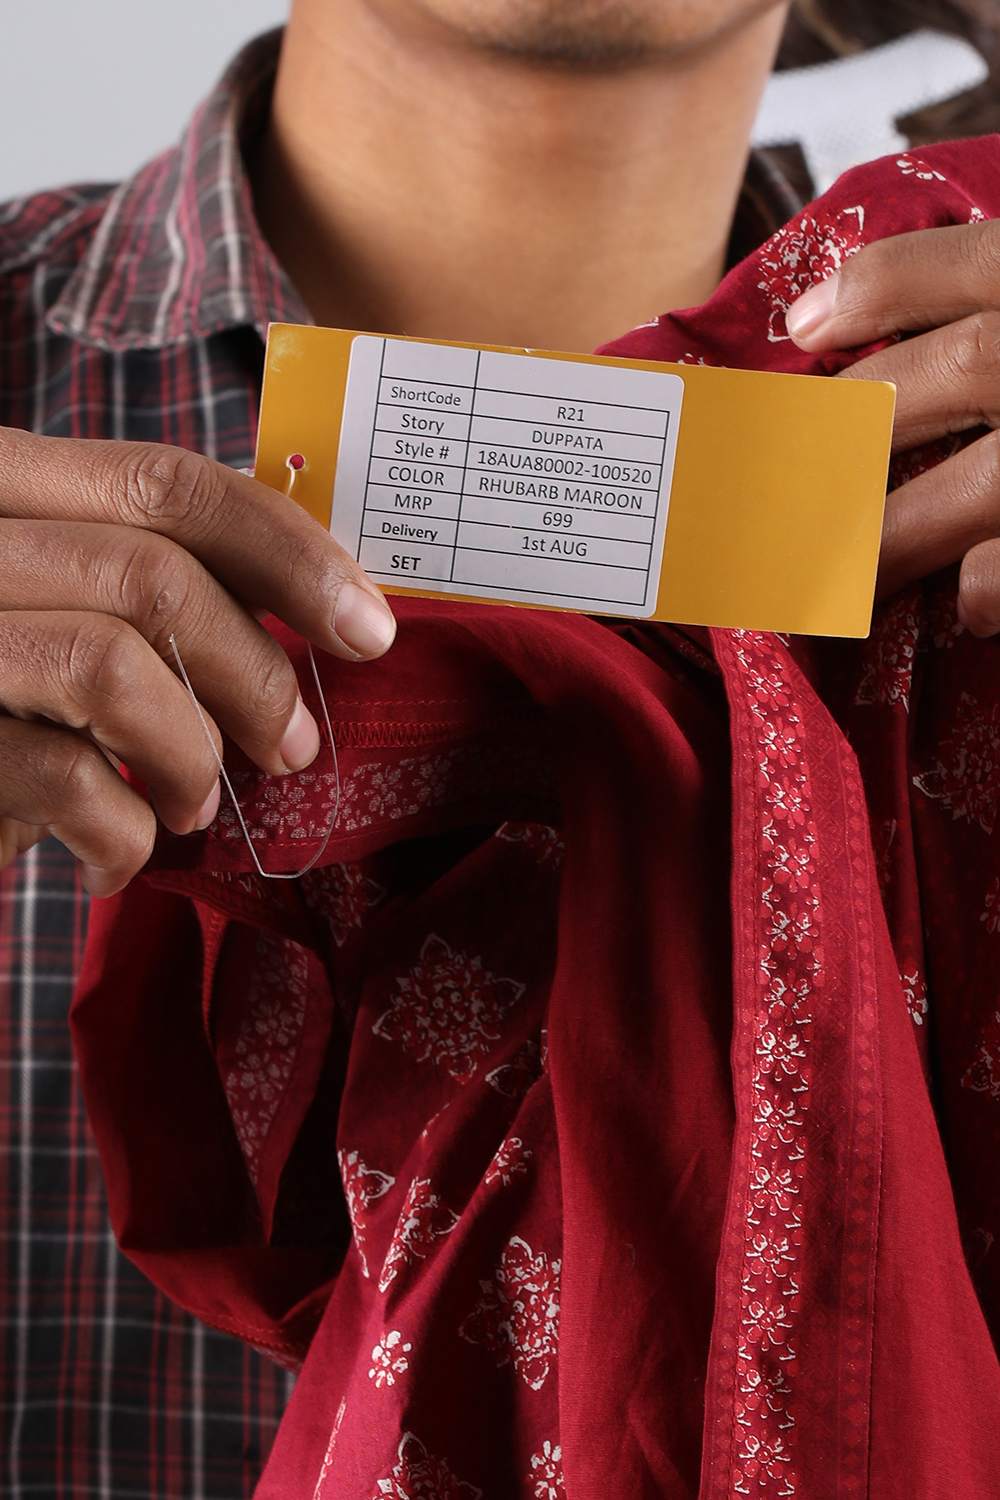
<point x="178" y="254"/>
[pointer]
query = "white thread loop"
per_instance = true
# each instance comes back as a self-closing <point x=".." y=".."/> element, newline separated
<point x="294" y="463"/>
<point x="224" y="774"/>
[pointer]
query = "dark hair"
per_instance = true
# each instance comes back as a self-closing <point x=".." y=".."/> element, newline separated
<point x="819" y="30"/>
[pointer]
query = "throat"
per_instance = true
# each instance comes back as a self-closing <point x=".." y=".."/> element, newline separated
<point x="430" y="194"/>
<point x="525" y="275"/>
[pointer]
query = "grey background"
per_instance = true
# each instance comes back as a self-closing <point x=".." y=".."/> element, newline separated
<point x="89" y="89"/>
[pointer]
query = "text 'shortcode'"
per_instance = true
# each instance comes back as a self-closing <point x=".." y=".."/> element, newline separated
<point x="506" y="476"/>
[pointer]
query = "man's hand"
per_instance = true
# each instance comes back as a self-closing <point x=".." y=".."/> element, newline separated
<point x="948" y="381"/>
<point x="107" y="549"/>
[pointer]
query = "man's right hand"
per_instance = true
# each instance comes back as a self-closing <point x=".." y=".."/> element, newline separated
<point x="107" y="550"/>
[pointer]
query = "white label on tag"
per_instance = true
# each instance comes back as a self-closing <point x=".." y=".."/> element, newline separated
<point x="506" y="476"/>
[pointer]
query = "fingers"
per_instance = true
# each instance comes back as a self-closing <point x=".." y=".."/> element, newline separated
<point x="55" y="779"/>
<point x="97" y="675"/>
<point x="947" y="381"/>
<point x="241" y="675"/>
<point x="17" y="838"/>
<point x="911" y="281"/>
<point x="937" y="518"/>
<point x="259" y="545"/>
<point x="979" y="589"/>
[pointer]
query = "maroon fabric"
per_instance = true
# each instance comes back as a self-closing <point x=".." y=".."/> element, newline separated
<point x="610" y="1114"/>
<point x="134" y="311"/>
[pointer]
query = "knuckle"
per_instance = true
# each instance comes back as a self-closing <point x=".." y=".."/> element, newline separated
<point x="99" y="659"/>
<point x="270" y="690"/>
<point x="155" y="588"/>
<point x="313" y="562"/>
<point x="70" y="771"/>
<point x="22" y="650"/>
<point x="134" y="844"/>
<point x="167" y="488"/>
<point x="978" y="341"/>
<point x="328" y="565"/>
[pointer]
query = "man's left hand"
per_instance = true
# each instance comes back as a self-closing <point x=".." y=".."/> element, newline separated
<point x="943" y="285"/>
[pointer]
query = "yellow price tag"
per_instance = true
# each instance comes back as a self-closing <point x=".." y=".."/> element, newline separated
<point x="622" y="487"/>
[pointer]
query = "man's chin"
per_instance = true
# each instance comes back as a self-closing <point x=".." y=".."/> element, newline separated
<point x="586" y="33"/>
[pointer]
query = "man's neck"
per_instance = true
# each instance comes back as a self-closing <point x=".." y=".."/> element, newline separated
<point x="411" y="184"/>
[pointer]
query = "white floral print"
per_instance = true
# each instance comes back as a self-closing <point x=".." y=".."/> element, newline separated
<point x="267" y="1041"/>
<point x="510" y="1161"/>
<point x="800" y="255"/>
<point x="423" y="1220"/>
<point x="389" y="1359"/>
<point x="363" y="1186"/>
<point x="420" y="1475"/>
<point x="889" y="655"/>
<point x="448" y="1010"/>
<point x="547" y="1473"/>
<point x="517" y="1316"/>
<point x="915" y="990"/>
<point x="965" y="778"/>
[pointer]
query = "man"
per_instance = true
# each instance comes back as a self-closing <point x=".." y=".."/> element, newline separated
<point x="545" y="174"/>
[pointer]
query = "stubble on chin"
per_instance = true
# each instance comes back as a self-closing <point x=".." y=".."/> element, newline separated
<point x="589" y="33"/>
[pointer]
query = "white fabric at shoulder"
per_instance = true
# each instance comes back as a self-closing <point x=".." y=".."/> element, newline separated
<point x="844" y="112"/>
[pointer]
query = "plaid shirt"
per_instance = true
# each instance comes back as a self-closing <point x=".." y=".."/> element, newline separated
<point x="136" y="312"/>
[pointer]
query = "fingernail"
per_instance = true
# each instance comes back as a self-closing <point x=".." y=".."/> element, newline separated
<point x="812" y="309"/>
<point x="363" y="622"/>
<point x="300" y="744"/>
<point x="209" y="808"/>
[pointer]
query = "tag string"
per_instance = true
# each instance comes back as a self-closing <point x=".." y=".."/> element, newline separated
<point x="295" y="463"/>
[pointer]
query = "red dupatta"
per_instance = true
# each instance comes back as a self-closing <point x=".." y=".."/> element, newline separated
<point x="616" y="1111"/>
